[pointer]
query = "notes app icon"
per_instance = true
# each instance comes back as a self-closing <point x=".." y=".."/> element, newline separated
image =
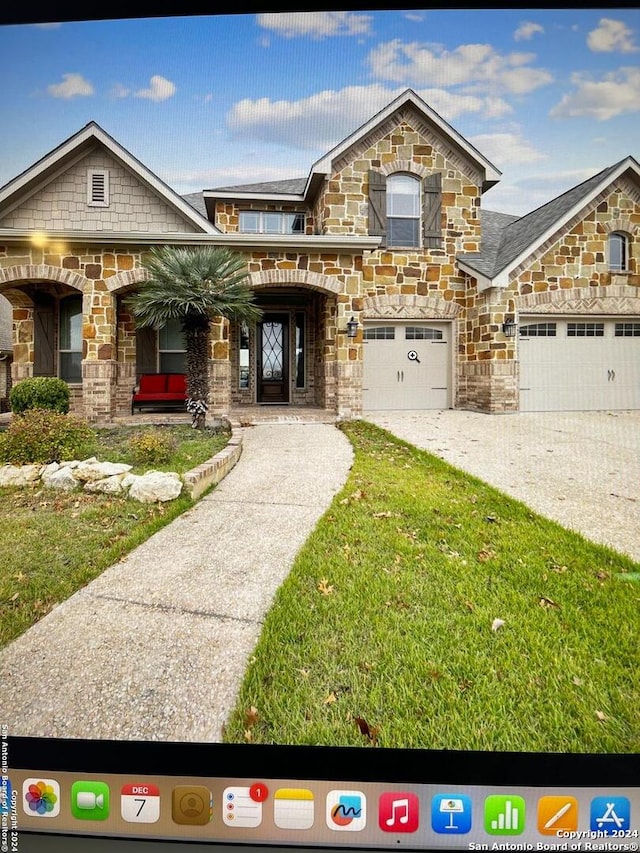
<point x="398" y="812"/>
<point x="293" y="808"/>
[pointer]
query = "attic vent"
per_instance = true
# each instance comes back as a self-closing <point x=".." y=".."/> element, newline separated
<point x="98" y="188"/>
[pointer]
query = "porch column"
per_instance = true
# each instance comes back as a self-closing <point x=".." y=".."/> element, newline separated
<point x="219" y="369"/>
<point x="99" y="365"/>
<point x="23" y="347"/>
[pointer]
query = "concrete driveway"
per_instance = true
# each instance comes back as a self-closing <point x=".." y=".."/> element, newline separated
<point x="581" y="469"/>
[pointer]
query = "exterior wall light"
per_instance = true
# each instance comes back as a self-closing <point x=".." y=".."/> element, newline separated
<point x="509" y="327"/>
<point x="352" y="328"/>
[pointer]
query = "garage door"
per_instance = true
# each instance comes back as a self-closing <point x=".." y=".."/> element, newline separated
<point x="406" y="366"/>
<point x="579" y="364"/>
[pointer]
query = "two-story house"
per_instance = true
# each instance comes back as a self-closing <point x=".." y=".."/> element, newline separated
<point x="384" y="281"/>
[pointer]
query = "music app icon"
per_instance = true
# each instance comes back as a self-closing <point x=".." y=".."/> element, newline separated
<point x="398" y="812"/>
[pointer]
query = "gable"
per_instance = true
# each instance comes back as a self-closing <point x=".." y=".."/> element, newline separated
<point x="63" y="203"/>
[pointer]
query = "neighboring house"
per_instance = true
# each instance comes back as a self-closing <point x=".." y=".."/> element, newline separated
<point x="387" y="229"/>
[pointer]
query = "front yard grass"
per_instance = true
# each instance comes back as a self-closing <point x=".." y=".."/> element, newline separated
<point x="53" y="543"/>
<point x="385" y="631"/>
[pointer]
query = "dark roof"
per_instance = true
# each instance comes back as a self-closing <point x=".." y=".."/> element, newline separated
<point x="292" y="186"/>
<point x="506" y="238"/>
<point x="196" y="200"/>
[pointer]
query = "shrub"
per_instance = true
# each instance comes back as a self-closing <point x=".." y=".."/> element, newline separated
<point x="40" y="392"/>
<point x="151" y="447"/>
<point x="43" y="436"/>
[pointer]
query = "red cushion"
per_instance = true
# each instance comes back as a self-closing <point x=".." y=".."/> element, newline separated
<point x="177" y="382"/>
<point x="158" y="395"/>
<point x="153" y="382"/>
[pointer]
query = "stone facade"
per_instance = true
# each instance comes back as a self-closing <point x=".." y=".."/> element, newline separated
<point x="318" y="289"/>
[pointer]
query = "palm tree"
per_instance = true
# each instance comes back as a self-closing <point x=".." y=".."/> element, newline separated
<point x="194" y="286"/>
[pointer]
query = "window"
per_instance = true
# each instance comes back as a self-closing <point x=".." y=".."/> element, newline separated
<point x="627" y="330"/>
<point x="422" y="333"/>
<point x="585" y="330"/>
<point x="98" y="188"/>
<point x="403" y="210"/>
<point x="243" y="357"/>
<point x="171" y="348"/>
<point x="538" y="330"/>
<point x="379" y="333"/>
<point x="618" y="251"/>
<point x="271" y="222"/>
<point x="71" y="339"/>
<point x="299" y="349"/>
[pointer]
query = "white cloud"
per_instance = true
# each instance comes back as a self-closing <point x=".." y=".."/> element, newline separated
<point x="159" y="89"/>
<point x="51" y="25"/>
<point x="119" y="91"/>
<point x="527" y="30"/>
<point x="503" y="148"/>
<point x="616" y="93"/>
<point x="324" y="119"/>
<point x="476" y="65"/>
<point x="611" y="36"/>
<point x="72" y="86"/>
<point x="317" y="25"/>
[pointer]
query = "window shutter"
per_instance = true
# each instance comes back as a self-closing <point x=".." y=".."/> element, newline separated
<point x="432" y="209"/>
<point x="146" y="351"/>
<point x="43" y="340"/>
<point x="377" y="205"/>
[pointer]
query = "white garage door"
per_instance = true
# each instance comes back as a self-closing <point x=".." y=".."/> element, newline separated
<point x="406" y="365"/>
<point x="579" y="363"/>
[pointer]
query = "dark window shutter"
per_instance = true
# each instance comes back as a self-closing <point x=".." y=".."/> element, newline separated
<point x="432" y="210"/>
<point x="377" y="205"/>
<point x="44" y="331"/>
<point x="146" y="351"/>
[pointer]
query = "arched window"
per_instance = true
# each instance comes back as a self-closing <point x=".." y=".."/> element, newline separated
<point x="618" y="251"/>
<point x="70" y="347"/>
<point x="403" y="210"/>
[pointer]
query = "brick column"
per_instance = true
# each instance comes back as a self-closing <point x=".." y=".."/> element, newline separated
<point x="219" y="369"/>
<point x="23" y="348"/>
<point x="99" y="365"/>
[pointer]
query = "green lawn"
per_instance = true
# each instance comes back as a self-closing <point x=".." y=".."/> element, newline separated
<point x="384" y="634"/>
<point x="53" y="543"/>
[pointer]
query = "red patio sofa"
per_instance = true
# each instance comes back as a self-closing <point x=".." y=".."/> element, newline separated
<point x="160" y="390"/>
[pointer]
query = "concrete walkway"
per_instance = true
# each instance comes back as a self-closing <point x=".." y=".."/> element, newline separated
<point x="156" y="647"/>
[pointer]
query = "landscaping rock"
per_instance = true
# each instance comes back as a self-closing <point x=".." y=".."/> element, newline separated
<point x="110" y="485"/>
<point x="62" y="479"/>
<point x="156" y="486"/>
<point x="92" y="470"/>
<point x="19" y="475"/>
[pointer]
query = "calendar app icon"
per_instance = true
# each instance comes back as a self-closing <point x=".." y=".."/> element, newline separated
<point x="140" y="803"/>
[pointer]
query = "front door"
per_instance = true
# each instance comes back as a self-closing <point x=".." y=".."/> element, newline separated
<point x="273" y="359"/>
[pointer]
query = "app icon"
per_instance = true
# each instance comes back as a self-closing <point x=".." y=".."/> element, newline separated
<point x="240" y="808"/>
<point x="610" y="814"/>
<point x="5" y="795"/>
<point x="557" y="814"/>
<point x="90" y="800"/>
<point x="191" y="804"/>
<point x="504" y="815"/>
<point x="140" y="803"/>
<point x="293" y="808"/>
<point x="346" y="811"/>
<point x="398" y="812"/>
<point x="451" y="814"/>
<point x="40" y="797"/>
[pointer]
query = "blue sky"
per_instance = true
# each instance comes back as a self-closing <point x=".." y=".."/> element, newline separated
<point x="550" y="96"/>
